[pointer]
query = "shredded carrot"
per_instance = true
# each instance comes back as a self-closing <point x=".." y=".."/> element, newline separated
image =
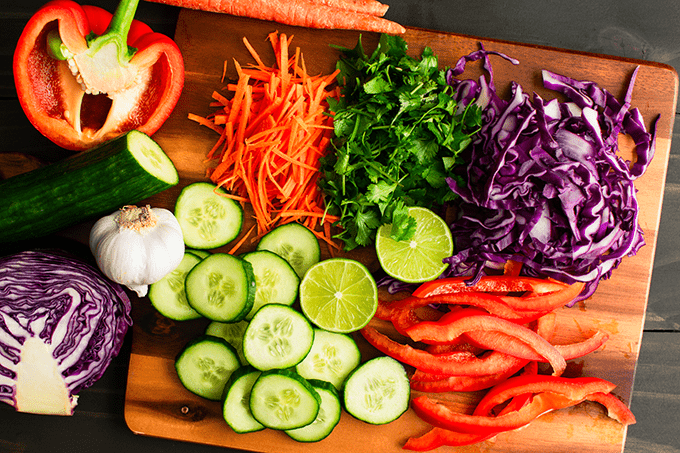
<point x="273" y="130"/>
<point x="241" y="241"/>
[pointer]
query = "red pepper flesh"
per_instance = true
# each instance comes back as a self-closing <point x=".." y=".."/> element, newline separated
<point x="55" y="101"/>
<point x="456" y="323"/>
<point x="573" y="388"/>
<point x="498" y="284"/>
<point x="440" y="415"/>
<point x="439" y="437"/>
<point x="425" y="382"/>
<point x="616" y="408"/>
<point x="454" y="364"/>
<point x="500" y="341"/>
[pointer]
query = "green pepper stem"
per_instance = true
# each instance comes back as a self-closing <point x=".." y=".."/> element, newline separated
<point x="117" y="31"/>
<point x="122" y="19"/>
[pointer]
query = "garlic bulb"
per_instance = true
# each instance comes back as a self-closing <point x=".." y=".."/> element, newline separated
<point x="137" y="246"/>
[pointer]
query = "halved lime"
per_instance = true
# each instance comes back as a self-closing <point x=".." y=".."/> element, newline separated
<point x="418" y="259"/>
<point x="339" y="295"/>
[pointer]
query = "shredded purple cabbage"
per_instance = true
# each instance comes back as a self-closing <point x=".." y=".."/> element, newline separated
<point x="545" y="185"/>
<point x="70" y="305"/>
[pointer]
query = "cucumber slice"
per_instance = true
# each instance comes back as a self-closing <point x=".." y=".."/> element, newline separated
<point x="332" y="358"/>
<point x="221" y="287"/>
<point x="208" y="218"/>
<point x="168" y="295"/>
<point x="378" y="391"/>
<point x="295" y="243"/>
<point x="199" y="253"/>
<point x="236" y="405"/>
<point x="232" y="332"/>
<point x="326" y="420"/>
<point x="282" y="399"/>
<point x="275" y="280"/>
<point x="278" y="336"/>
<point x="205" y="365"/>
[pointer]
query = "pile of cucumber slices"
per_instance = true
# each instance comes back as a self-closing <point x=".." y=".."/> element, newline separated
<point x="267" y="364"/>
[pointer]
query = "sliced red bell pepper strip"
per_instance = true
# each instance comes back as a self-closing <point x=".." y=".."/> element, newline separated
<point x="439" y="437"/>
<point x="490" y="302"/>
<point x="545" y="302"/>
<point x="453" y="346"/>
<point x="454" y="324"/>
<point x="616" y="408"/>
<point x="430" y="383"/>
<point x="500" y="341"/>
<point x="126" y="76"/>
<point x="498" y="284"/>
<point x="576" y="389"/>
<point x="440" y="415"/>
<point x="455" y="364"/>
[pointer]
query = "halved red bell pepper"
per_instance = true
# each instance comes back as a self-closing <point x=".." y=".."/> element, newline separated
<point x="84" y="76"/>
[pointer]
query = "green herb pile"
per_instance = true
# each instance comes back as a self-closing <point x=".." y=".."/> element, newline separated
<point x="399" y="134"/>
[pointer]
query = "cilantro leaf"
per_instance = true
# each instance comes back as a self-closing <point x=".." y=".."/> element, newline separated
<point x="398" y="136"/>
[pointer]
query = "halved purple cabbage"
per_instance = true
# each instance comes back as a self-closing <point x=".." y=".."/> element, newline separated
<point x="64" y="305"/>
<point x="545" y="183"/>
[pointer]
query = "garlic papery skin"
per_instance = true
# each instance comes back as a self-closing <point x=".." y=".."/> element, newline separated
<point x="137" y="246"/>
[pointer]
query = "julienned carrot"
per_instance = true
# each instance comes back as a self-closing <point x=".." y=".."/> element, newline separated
<point x="363" y="15"/>
<point x="273" y="130"/>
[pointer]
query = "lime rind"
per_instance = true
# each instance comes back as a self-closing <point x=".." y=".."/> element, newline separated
<point x="419" y="259"/>
<point x="339" y="295"/>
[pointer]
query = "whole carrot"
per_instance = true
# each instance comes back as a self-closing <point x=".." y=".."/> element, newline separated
<point x="323" y="14"/>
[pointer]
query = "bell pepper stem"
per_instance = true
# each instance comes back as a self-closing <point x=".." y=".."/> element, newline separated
<point x="56" y="47"/>
<point x="118" y="29"/>
<point x="116" y="32"/>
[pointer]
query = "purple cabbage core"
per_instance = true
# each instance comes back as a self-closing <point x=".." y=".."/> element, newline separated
<point x="70" y="306"/>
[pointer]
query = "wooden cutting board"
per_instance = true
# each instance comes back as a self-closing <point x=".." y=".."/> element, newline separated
<point x="157" y="405"/>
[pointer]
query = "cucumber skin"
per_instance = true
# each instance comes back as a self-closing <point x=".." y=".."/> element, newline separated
<point x="90" y="184"/>
<point x="320" y="385"/>
<point x="241" y="372"/>
<point x="194" y="342"/>
<point x="250" y="298"/>
<point x="290" y="374"/>
<point x="347" y="391"/>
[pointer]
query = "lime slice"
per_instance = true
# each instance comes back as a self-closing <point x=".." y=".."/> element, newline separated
<point x="420" y="258"/>
<point x="339" y="295"/>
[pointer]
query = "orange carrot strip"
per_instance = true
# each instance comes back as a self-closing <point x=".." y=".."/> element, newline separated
<point x="253" y="53"/>
<point x="205" y="122"/>
<point x="241" y="241"/>
<point x="276" y="127"/>
<point x="219" y="98"/>
<point x="224" y="71"/>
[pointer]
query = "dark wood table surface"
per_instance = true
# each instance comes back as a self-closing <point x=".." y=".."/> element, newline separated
<point x="647" y="30"/>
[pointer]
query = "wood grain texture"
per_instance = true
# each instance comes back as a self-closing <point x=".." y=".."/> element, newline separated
<point x="156" y="404"/>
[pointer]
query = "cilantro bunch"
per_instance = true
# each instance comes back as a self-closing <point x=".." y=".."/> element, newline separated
<point x="398" y="135"/>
